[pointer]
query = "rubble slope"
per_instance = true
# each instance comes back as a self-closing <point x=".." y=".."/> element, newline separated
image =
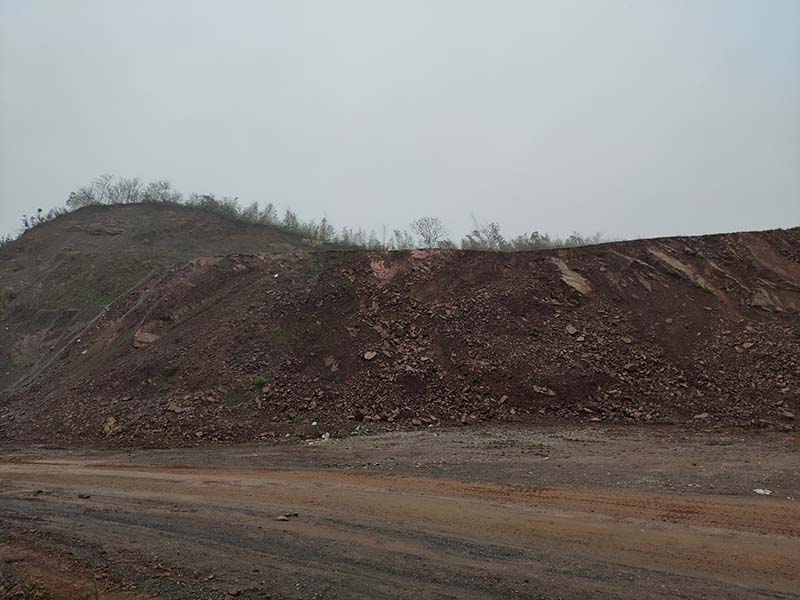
<point x="62" y="273"/>
<point x="692" y="330"/>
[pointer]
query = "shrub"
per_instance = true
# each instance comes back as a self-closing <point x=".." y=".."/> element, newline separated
<point x="7" y="294"/>
<point x="427" y="232"/>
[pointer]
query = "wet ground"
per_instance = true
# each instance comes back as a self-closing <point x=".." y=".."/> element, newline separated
<point x="458" y="513"/>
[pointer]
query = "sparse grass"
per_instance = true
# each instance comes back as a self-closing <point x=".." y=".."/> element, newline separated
<point x="292" y="438"/>
<point x="259" y="382"/>
<point x="23" y="359"/>
<point x="31" y="592"/>
<point x="90" y="280"/>
<point x="7" y="294"/>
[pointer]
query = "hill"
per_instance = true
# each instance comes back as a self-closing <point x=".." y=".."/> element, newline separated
<point x="692" y="330"/>
<point x="63" y="272"/>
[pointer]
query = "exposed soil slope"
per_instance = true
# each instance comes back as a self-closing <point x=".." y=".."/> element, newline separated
<point x="64" y="272"/>
<point x="690" y="330"/>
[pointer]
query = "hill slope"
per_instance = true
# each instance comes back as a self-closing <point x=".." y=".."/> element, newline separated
<point x="696" y="330"/>
<point x="65" y="271"/>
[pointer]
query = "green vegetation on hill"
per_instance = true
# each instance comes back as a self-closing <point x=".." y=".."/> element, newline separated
<point x="426" y="232"/>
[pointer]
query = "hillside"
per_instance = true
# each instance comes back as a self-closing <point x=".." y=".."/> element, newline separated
<point x="65" y="271"/>
<point x="699" y="330"/>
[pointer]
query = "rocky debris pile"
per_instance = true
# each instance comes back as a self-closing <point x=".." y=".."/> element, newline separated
<point x="698" y="331"/>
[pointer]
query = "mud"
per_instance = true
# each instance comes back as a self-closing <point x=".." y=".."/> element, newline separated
<point x="494" y="512"/>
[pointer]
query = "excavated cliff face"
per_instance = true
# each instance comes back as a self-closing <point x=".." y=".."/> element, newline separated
<point x="702" y="331"/>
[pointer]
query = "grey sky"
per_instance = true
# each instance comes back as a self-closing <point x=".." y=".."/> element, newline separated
<point x="634" y="118"/>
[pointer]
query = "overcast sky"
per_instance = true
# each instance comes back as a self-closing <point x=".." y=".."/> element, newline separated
<point x="632" y="117"/>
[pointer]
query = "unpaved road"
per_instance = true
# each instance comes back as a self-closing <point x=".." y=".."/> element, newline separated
<point x="467" y="513"/>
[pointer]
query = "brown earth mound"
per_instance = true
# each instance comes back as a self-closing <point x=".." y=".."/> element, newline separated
<point x="61" y="274"/>
<point x="699" y="330"/>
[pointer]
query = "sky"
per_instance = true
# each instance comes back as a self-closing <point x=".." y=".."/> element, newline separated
<point x="634" y="118"/>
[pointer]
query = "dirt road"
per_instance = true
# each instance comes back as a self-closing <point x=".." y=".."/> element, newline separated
<point x="456" y="514"/>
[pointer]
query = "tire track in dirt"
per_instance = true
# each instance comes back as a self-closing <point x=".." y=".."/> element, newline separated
<point x="775" y="517"/>
<point x="730" y="541"/>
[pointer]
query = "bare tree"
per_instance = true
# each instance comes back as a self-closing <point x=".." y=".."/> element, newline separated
<point x="430" y="230"/>
<point x="102" y="188"/>
<point x="80" y="198"/>
<point x="106" y="189"/>
<point x="160" y="191"/>
<point x="126" y="191"/>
